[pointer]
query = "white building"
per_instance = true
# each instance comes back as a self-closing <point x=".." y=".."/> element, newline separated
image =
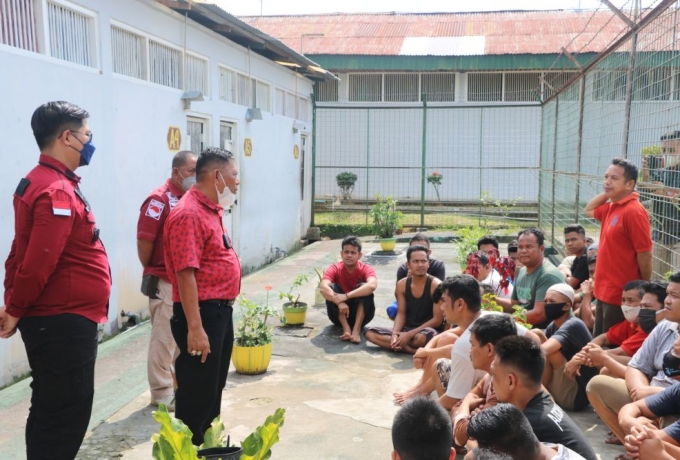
<point x="131" y="64"/>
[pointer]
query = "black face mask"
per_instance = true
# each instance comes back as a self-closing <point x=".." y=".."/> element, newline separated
<point x="647" y="320"/>
<point x="554" y="310"/>
<point x="671" y="365"/>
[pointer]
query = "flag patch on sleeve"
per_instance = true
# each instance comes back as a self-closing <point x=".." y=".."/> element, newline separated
<point x="155" y="209"/>
<point x="61" y="208"/>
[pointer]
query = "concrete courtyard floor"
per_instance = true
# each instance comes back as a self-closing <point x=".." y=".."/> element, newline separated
<point x="337" y="395"/>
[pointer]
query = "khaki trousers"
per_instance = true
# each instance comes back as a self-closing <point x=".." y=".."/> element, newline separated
<point x="162" y="345"/>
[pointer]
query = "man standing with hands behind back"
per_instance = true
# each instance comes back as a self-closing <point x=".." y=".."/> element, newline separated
<point x="57" y="283"/>
<point x="206" y="279"/>
<point x="155" y="282"/>
<point x="625" y="246"/>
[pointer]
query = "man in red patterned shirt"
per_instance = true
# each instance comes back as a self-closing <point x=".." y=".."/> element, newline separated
<point x="155" y="283"/>
<point x="206" y="278"/>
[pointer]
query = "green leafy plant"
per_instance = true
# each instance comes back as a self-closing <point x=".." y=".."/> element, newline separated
<point x="258" y="445"/>
<point x="297" y="284"/>
<point x="494" y="206"/>
<point x="518" y="313"/>
<point x="252" y="329"/>
<point x="651" y="150"/>
<point x="319" y="274"/>
<point x="436" y="180"/>
<point x="346" y="181"/>
<point x="386" y="218"/>
<point x="466" y="242"/>
<point x="174" y="439"/>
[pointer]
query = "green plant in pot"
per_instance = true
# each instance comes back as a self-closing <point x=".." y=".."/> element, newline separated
<point x="386" y="221"/>
<point x="346" y="181"/>
<point x="294" y="311"/>
<point x="318" y="298"/>
<point x="252" y="350"/>
<point x="466" y="242"/>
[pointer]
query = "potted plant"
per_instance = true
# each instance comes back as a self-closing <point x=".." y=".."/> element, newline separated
<point x="294" y="311"/>
<point x="386" y="221"/>
<point x="318" y="298"/>
<point x="436" y="180"/>
<point x="253" y="337"/>
<point x="346" y="181"/>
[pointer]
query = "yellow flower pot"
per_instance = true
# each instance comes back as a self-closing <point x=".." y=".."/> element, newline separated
<point x="388" y="244"/>
<point x="251" y="360"/>
<point x="295" y="316"/>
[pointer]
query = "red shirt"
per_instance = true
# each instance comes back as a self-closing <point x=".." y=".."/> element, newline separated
<point x="347" y="281"/>
<point x="195" y="237"/>
<point x="153" y="213"/>
<point x="57" y="263"/>
<point x="625" y="231"/>
<point x="626" y="335"/>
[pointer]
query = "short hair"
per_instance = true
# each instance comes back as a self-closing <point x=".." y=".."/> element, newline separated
<point x="437" y="293"/>
<point x="493" y="327"/>
<point x="512" y="246"/>
<point x="630" y="171"/>
<point x="422" y="430"/>
<point x="53" y="118"/>
<point x="210" y="158"/>
<point x="488" y="239"/>
<point x="524" y="356"/>
<point x="504" y="428"/>
<point x="592" y="259"/>
<point x="638" y="285"/>
<point x="180" y="158"/>
<point x="464" y="287"/>
<point x="489" y="454"/>
<point x="486" y="288"/>
<point x="675" y="277"/>
<point x="416" y="248"/>
<point x="589" y="240"/>
<point x="351" y="240"/>
<point x="481" y="257"/>
<point x="575" y="228"/>
<point x="658" y="288"/>
<point x="420" y="237"/>
<point x="533" y="231"/>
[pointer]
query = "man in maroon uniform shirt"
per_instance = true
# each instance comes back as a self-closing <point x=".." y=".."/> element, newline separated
<point x="155" y="283"/>
<point x="57" y="283"/>
<point x="206" y="278"/>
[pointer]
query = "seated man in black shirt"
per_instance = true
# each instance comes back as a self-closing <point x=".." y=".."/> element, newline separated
<point x="436" y="268"/>
<point x="516" y="373"/>
<point x="575" y="265"/>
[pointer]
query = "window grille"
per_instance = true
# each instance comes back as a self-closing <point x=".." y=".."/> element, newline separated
<point x="523" y="87"/>
<point x="245" y="91"/>
<point x="304" y="109"/>
<point x="263" y="96"/>
<point x="129" y="54"/>
<point x="17" y="24"/>
<point x="197" y="75"/>
<point x="485" y="87"/>
<point x="554" y="81"/>
<point x="401" y="87"/>
<point x="195" y="131"/>
<point x="610" y="85"/>
<point x="652" y="84"/>
<point x="165" y="65"/>
<point x="365" y="87"/>
<point x="70" y="35"/>
<point x="280" y="103"/>
<point x="326" y="91"/>
<point x="439" y="87"/>
<point x="291" y="105"/>
<point x="227" y="85"/>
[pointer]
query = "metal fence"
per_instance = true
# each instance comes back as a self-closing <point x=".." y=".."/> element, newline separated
<point x="625" y="103"/>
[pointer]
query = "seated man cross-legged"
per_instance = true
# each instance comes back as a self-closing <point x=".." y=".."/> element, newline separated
<point x="417" y="320"/>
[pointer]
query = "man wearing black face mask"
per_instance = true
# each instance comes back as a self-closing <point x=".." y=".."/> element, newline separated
<point x="567" y="335"/>
<point x="57" y="283"/>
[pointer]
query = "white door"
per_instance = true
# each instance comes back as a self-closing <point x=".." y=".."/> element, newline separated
<point x="228" y="142"/>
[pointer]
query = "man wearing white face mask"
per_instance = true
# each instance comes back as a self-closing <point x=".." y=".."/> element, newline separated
<point x="206" y="279"/>
<point x="155" y="282"/>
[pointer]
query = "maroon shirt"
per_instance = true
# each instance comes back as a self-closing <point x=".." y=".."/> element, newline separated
<point x="56" y="264"/>
<point x="153" y="213"/>
<point x="194" y="238"/>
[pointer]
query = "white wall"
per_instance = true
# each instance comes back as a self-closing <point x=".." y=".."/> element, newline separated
<point x="130" y="119"/>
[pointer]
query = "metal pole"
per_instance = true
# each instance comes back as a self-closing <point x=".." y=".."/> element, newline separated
<point x="313" y="156"/>
<point x="579" y="149"/>
<point x="554" y="176"/>
<point x="368" y="152"/>
<point x="629" y="92"/>
<point x="481" y="148"/>
<point x="423" y="162"/>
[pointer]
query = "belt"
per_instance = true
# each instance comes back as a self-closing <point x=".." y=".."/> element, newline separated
<point x="219" y="302"/>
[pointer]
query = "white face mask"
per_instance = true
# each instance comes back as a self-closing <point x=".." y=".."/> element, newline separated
<point x="630" y="313"/>
<point x="226" y="198"/>
<point x="187" y="182"/>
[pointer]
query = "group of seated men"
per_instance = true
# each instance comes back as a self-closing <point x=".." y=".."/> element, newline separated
<point x="476" y="359"/>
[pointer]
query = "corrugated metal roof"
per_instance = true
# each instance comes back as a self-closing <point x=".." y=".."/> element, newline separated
<point x="509" y="32"/>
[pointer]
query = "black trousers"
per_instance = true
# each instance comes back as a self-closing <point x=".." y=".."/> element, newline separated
<point x="199" y="385"/>
<point x="353" y="304"/>
<point x="62" y="350"/>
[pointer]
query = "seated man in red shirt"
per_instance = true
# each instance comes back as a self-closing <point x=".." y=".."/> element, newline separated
<point x="348" y="288"/>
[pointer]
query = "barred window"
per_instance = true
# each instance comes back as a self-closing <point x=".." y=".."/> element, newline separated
<point x="365" y="87"/>
<point x="652" y="84"/>
<point x="245" y="91"/>
<point x="280" y="103"/>
<point x="439" y="87"/>
<point x="520" y="86"/>
<point x="227" y="85"/>
<point x="326" y="91"/>
<point x="304" y="106"/>
<point x="197" y="75"/>
<point x="129" y="53"/>
<point x="401" y="87"/>
<point x="165" y="65"/>
<point x="555" y="81"/>
<point x="71" y="35"/>
<point x="263" y="96"/>
<point x="17" y="24"/>
<point x="291" y="105"/>
<point x="485" y="87"/>
<point x="610" y="85"/>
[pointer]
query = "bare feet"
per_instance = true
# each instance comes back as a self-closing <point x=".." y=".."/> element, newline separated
<point x="612" y="439"/>
<point x="401" y="398"/>
<point x="355" y="337"/>
<point x="346" y="336"/>
<point x="418" y="362"/>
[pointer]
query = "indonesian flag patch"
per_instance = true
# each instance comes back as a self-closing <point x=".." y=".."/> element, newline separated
<point x="61" y="208"/>
<point x="155" y="209"/>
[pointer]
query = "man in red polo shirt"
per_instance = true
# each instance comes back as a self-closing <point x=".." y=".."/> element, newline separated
<point x="57" y="283"/>
<point x="206" y="278"/>
<point x="155" y="283"/>
<point x="625" y="246"/>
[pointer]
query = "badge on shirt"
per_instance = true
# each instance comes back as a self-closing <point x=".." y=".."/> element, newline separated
<point x="172" y="200"/>
<point x="61" y="208"/>
<point x="155" y="209"/>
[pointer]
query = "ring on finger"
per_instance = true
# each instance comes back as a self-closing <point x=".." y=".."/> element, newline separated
<point x="199" y="353"/>
<point x="193" y="353"/>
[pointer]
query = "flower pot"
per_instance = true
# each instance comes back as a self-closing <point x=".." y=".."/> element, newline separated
<point x="251" y="360"/>
<point x="318" y="298"/>
<point x="221" y="453"/>
<point x="295" y="316"/>
<point x="388" y="244"/>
